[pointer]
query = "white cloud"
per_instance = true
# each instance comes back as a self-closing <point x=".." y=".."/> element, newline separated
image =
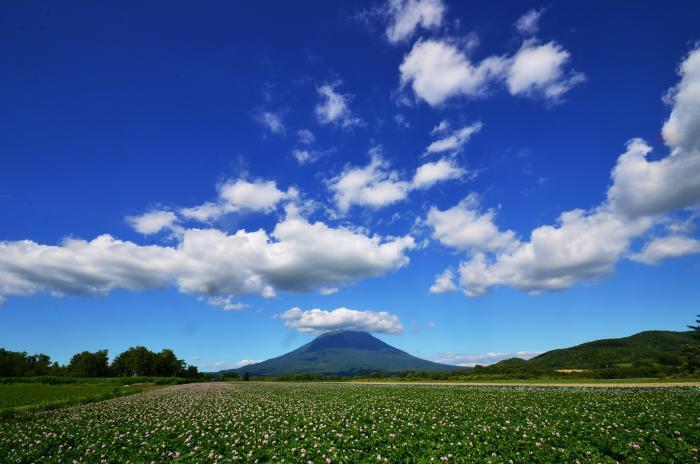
<point x="271" y="121"/>
<point x="255" y="196"/>
<point x="306" y="137"/>
<point x="437" y="70"/>
<point x="643" y="187"/>
<point x="246" y="362"/>
<point x="376" y="186"/>
<point x="333" y="108"/>
<point x="318" y="320"/>
<point x="585" y="245"/>
<point x="455" y="141"/>
<point x="305" y="156"/>
<point x="152" y="222"/>
<point x="672" y="246"/>
<point x="297" y="256"/>
<point x="226" y="303"/>
<point x="539" y="70"/>
<point x="464" y="227"/>
<point x="483" y="359"/>
<point x="444" y="283"/>
<point x="407" y="15"/>
<point x="528" y="24"/>
<point x="328" y="290"/>
<point x="240" y="195"/>
<point x="581" y="246"/>
<point x="441" y="128"/>
<point x="682" y="129"/>
<point x="203" y="213"/>
<point x="373" y="185"/>
<point x="401" y="121"/>
<point x="429" y="174"/>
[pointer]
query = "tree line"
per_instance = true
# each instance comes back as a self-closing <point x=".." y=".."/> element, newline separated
<point x="137" y="361"/>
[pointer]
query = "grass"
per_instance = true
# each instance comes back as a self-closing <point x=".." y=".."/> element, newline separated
<point x="40" y="393"/>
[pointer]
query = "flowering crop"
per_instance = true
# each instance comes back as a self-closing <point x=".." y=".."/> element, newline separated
<point x="351" y="423"/>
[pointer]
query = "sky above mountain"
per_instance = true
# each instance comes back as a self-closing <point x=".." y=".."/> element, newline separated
<point x="468" y="181"/>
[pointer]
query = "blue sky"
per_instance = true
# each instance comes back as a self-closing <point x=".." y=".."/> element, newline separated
<point x="468" y="181"/>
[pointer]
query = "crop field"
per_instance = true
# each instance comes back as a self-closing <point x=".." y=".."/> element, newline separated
<point x="350" y="423"/>
<point x="14" y="395"/>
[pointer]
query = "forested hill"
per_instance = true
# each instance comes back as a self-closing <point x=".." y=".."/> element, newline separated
<point x="654" y="347"/>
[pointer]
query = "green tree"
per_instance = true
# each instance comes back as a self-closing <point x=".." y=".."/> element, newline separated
<point x="246" y="376"/>
<point x="191" y="372"/>
<point x="134" y="362"/>
<point x="21" y="364"/>
<point x="696" y="328"/>
<point x="87" y="364"/>
<point x="167" y="364"/>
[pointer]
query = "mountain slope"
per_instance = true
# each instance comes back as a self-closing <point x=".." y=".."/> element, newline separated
<point x="343" y="353"/>
<point x="651" y="347"/>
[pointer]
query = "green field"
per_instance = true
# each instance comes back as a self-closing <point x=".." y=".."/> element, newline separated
<point x="351" y="423"/>
<point x="39" y="394"/>
<point x="29" y="394"/>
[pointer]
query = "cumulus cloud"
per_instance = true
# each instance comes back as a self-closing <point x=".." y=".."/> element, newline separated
<point x="297" y="256"/>
<point x="240" y="195"/>
<point x="152" y="222"/>
<point x="438" y="70"/>
<point x="671" y="246"/>
<point x="271" y="121"/>
<point x="373" y="185"/>
<point x="643" y="187"/>
<point x="376" y="185"/>
<point x="454" y="141"/>
<point x="429" y="174"/>
<point x="465" y="227"/>
<point x="334" y="107"/>
<point x="682" y="129"/>
<point x="540" y="70"/>
<point x="483" y="359"/>
<point x="444" y="282"/>
<point x="528" y="24"/>
<point x="581" y="246"/>
<point x="319" y="320"/>
<point x="407" y="15"/>
<point x="586" y="244"/>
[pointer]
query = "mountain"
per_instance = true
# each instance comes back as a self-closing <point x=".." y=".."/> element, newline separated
<point x="343" y="353"/>
<point x="653" y="347"/>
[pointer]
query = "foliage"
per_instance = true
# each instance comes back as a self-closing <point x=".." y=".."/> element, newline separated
<point x="696" y="328"/>
<point x="13" y="363"/>
<point x="87" y="364"/>
<point x="136" y="361"/>
<point x="350" y="423"/>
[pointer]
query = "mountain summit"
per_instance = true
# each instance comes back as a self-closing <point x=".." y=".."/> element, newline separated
<point x="343" y="353"/>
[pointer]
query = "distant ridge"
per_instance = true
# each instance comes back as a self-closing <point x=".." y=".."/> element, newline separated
<point x="651" y="348"/>
<point x="343" y="353"/>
